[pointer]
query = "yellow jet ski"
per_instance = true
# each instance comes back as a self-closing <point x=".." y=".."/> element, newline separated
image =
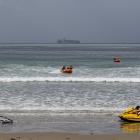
<point x="131" y="114"/>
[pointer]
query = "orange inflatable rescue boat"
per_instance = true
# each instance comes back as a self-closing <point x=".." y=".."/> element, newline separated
<point x="67" y="69"/>
<point x="117" y="60"/>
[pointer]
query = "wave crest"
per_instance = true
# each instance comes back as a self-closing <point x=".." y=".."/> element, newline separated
<point x="67" y="79"/>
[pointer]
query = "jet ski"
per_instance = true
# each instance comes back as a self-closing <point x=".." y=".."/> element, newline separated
<point x="131" y="114"/>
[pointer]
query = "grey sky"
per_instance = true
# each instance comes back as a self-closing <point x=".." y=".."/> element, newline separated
<point x="85" y="20"/>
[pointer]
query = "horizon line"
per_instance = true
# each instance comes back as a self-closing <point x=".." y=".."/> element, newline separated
<point x="64" y="43"/>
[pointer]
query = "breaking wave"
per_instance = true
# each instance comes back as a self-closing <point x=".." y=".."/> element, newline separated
<point x="67" y="79"/>
<point x="61" y="109"/>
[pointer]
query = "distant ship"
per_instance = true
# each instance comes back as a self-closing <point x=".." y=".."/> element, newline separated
<point x="66" y="41"/>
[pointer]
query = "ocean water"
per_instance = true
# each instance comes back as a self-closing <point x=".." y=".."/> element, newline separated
<point x="38" y="97"/>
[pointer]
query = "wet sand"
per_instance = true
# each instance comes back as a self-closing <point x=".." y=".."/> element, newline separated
<point x="66" y="136"/>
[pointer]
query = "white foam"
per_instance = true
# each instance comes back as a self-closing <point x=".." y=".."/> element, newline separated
<point x="63" y="109"/>
<point x="67" y="79"/>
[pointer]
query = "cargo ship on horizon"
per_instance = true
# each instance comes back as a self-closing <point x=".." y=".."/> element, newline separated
<point x="66" y="41"/>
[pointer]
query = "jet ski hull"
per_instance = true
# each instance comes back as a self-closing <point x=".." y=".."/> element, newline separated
<point x="130" y="119"/>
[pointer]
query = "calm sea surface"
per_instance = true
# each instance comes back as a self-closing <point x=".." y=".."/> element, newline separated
<point x="38" y="97"/>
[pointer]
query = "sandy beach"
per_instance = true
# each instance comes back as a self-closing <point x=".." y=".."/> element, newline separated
<point x="66" y="136"/>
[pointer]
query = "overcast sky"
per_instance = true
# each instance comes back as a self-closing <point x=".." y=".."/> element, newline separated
<point x="84" y="20"/>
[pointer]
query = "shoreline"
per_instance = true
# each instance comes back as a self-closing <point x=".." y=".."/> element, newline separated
<point x="67" y="136"/>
